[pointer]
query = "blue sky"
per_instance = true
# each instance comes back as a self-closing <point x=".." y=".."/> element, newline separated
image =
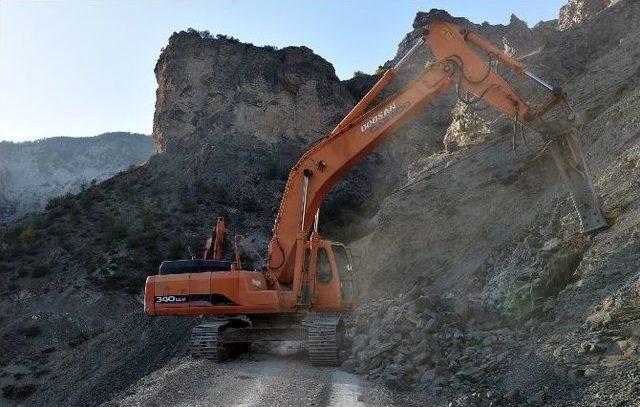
<point x="80" y="68"/>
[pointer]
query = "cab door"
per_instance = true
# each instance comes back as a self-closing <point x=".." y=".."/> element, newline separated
<point x="344" y="265"/>
<point x="333" y="282"/>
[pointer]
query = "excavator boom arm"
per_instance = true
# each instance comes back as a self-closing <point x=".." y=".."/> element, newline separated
<point x="324" y="164"/>
<point x="362" y="130"/>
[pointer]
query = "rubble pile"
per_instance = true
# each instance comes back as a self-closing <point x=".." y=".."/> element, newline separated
<point x="423" y="341"/>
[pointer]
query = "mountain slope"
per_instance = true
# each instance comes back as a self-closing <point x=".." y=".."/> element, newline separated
<point x="31" y="173"/>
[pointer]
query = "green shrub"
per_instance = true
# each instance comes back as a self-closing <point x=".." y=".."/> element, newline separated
<point x="106" y="276"/>
<point x="341" y="202"/>
<point x="30" y="331"/>
<point x="40" y="270"/>
<point x="29" y="235"/>
<point x="135" y="239"/>
<point x="186" y="204"/>
<point x="227" y="38"/>
<point x="22" y="272"/>
<point x="93" y="260"/>
<point x="126" y="194"/>
<point x="273" y="168"/>
<point x="65" y="201"/>
<point x="517" y="302"/>
<point x="90" y="197"/>
<point x="202" y="34"/>
<point x="54" y="202"/>
<point x="114" y="229"/>
<point x="18" y="392"/>
<point x="176" y="250"/>
<point x="249" y="204"/>
<point x="13" y="233"/>
<point x="78" y="340"/>
<point x="219" y="193"/>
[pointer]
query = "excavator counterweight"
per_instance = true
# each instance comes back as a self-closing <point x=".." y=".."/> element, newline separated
<point x="307" y="282"/>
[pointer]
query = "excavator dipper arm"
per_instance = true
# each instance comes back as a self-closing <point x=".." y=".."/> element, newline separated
<point x="363" y="129"/>
<point x="561" y="134"/>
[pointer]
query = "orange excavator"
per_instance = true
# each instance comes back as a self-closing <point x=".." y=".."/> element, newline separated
<point x="306" y="284"/>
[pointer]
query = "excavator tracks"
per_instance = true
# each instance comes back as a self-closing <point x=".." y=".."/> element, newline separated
<point x="205" y="341"/>
<point x="219" y="339"/>
<point x="325" y="333"/>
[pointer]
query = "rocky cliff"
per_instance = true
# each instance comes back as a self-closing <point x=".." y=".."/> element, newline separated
<point x="234" y="104"/>
<point x="475" y="287"/>
<point x="210" y="87"/>
<point x="32" y="173"/>
<point x="576" y="12"/>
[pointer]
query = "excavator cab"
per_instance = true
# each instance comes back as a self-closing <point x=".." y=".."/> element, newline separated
<point x="333" y="273"/>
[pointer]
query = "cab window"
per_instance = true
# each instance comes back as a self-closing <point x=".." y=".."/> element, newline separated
<point x="323" y="272"/>
<point x="344" y="270"/>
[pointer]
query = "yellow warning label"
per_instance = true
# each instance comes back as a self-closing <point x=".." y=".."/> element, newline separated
<point x="446" y="33"/>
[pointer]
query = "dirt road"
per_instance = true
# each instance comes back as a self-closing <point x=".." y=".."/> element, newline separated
<point x="257" y="380"/>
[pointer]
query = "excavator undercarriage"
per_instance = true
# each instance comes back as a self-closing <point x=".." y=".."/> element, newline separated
<point x="221" y="338"/>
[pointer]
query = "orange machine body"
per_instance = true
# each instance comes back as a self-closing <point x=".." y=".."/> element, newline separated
<point x="249" y="292"/>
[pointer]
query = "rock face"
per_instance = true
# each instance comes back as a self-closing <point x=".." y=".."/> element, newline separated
<point x="577" y="11"/>
<point x="31" y="173"/>
<point x="211" y="87"/>
<point x="466" y="129"/>
<point x="233" y="105"/>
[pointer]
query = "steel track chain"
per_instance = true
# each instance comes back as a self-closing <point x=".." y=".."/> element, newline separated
<point x="325" y="332"/>
<point x="204" y="341"/>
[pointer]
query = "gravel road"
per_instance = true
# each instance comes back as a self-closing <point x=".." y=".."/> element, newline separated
<point x="256" y="380"/>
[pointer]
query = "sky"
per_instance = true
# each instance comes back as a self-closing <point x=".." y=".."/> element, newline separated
<point x="81" y="68"/>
